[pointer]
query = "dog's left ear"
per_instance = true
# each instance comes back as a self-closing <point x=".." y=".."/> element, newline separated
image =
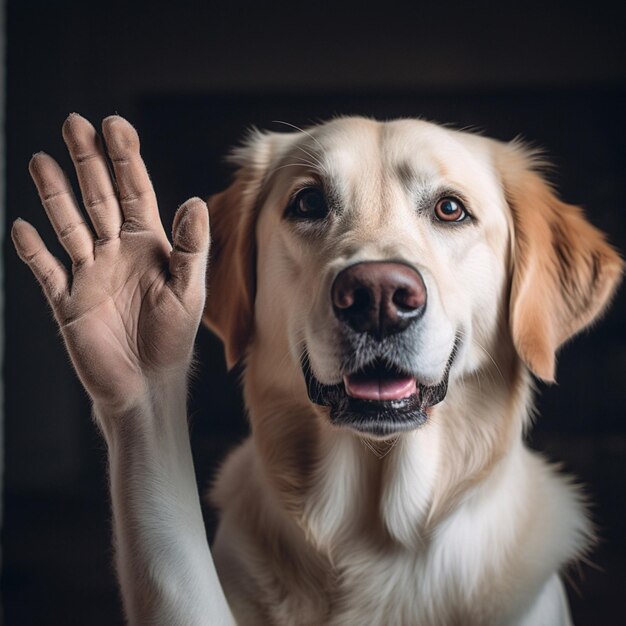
<point x="563" y="270"/>
<point x="229" y="310"/>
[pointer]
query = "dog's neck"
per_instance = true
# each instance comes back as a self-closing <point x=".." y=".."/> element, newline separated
<point x="333" y="482"/>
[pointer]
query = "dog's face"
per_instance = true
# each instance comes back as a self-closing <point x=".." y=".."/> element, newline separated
<point x="381" y="262"/>
<point x="382" y="253"/>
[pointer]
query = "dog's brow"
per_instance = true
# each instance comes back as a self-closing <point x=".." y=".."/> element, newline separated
<point x="406" y="174"/>
<point x="412" y="179"/>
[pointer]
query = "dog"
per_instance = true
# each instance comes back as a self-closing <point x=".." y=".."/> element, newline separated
<point x="391" y="288"/>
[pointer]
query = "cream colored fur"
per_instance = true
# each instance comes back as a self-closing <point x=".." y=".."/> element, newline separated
<point x="457" y="522"/>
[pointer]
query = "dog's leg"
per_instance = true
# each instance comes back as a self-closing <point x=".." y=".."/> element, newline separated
<point x="129" y="313"/>
<point x="163" y="560"/>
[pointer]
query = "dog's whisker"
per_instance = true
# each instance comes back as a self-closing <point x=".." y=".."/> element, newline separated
<point x="313" y="157"/>
<point x="319" y="165"/>
<point x="302" y="130"/>
<point x="301" y="163"/>
<point x="476" y="343"/>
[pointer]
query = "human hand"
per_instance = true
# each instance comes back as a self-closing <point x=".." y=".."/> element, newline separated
<point x="130" y="308"/>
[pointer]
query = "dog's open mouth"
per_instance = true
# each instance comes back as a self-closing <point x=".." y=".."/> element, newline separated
<point x="378" y="382"/>
<point x="378" y="400"/>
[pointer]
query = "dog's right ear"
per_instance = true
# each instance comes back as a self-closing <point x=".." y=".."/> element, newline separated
<point x="229" y="310"/>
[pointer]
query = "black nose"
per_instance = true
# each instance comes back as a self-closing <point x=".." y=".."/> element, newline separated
<point x="378" y="298"/>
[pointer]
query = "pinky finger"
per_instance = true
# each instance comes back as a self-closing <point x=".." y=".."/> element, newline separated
<point x="47" y="269"/>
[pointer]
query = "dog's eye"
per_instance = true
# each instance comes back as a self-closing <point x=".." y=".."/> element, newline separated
<point x="450" y="210"/>
<point x="308" y="204"/>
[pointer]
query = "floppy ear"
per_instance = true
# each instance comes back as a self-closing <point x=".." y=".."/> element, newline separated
<point x="229" y="310"/>
<point x="564" y="271"/>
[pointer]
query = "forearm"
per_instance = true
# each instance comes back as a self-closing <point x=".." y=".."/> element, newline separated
<point x="165" y="568"/>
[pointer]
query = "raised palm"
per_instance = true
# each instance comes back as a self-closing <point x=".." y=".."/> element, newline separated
<point x="132" y="306"/>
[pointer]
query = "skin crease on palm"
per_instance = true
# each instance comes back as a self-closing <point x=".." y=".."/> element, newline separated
<point x="131" y="307"/>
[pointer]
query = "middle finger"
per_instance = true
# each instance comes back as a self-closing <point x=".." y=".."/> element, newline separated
<point x="94" y="178"/>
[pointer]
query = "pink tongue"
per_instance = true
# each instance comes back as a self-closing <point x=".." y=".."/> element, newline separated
<point x="370" y="388"/>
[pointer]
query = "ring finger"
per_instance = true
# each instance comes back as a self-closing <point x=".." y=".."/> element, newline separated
<point x="60" y="204"/>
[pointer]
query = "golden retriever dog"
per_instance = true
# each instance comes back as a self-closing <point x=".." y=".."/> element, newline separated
<point x="391" y="289"/>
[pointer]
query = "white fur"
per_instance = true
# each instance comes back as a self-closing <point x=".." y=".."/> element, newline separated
<point x="454" y="523"/>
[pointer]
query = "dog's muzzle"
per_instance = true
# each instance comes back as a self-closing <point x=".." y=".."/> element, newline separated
<point x="377" y="303"/>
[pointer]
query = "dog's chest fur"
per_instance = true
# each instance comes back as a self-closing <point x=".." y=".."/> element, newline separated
<point x="364" y="551"/>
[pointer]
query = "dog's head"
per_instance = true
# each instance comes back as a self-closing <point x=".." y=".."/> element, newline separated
<point x="364" y="266"/>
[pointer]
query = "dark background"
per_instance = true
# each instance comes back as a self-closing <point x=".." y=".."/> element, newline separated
<point x="192" y="78"/>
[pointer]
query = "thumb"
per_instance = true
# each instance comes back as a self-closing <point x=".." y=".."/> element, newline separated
<point x="190" y="235"/>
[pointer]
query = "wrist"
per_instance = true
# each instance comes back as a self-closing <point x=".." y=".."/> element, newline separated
<point x="158" y="407"/>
